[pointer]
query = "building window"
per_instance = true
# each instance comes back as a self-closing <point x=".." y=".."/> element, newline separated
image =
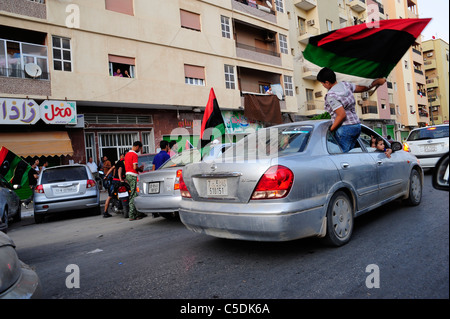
<point x="194" y="75"/>
<point x="279" y="5"/>
<point x="62" y="55"/>
<point x="288" y="87"/>
<point x="229" y="77"/>
<point x="408" y="87"/>
<point x="406" y="64"/>
<point x="283" y="44"/>
<point x="190" y="20"/>
<point x="329" y="25"/>
<point x="225" y="24"/>
<point x="121" y="6"/>
<point x="121" y="66"/>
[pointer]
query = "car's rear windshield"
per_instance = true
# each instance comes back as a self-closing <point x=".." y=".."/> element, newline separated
<point x="182" y="159"/>
<point x="64" y="174"/>
<point x="146" y="160"/>
<point x="431" y="132"/>
<point x="269" y="142"/>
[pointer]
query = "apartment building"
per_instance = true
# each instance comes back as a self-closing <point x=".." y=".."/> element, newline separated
<point x="435" y="56"/>
<point x="60" y="62"/>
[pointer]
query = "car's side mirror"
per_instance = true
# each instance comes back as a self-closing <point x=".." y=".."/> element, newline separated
<point x="396" y="146"/>
<point x="440" y="174"/>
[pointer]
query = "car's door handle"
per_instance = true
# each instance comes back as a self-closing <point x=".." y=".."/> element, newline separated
<point x="345" y="165"/>
<point x="380" y="162"/>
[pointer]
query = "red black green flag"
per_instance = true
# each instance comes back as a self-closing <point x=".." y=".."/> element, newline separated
<point x="365" y="51"/>
<point x="213" y="126"/>
<point x="14" y="170"/>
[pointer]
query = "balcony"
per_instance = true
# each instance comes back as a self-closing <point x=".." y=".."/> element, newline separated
<point x="305" y="5"/>
<point x="305" y="35"/>
<point x="309" y="74"/>
<point x="430" y="64"/>
<point x="358" y="5"/>
<point x="258" y="10"/>
<point x="30" y="8"/>
<point x="14" y="56"/>
<point x="432" y="82"/>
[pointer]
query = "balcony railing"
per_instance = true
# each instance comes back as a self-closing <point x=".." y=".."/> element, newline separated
<point x="15" y="55"/>
<point x="252" y="48"/>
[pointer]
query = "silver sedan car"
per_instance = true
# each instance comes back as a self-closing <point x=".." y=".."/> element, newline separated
<point x="159" y="192"/>
<point x="293" y="181"/>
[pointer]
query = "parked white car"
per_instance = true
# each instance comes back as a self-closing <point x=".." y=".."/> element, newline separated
<point x="428" y="144"/>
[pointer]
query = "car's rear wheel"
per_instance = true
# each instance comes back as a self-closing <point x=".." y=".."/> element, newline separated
<point x="415" y="189"/>
<point x="339" y="220"/>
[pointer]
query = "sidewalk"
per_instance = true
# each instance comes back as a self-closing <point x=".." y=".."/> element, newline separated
<point x="30" y="212"/>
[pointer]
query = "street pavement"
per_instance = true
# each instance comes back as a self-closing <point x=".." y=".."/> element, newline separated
<point x="27" y="212"/>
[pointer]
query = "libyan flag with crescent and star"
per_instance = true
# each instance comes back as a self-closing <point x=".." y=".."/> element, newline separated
<point x="213" y="126"/>
<point x="363" y="52"/>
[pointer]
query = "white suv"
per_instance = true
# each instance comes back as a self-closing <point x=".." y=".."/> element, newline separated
<point x="428" y="144"/>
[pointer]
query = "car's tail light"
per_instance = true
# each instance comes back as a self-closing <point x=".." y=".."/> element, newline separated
<point x="177" y="180"/>
<point x="275" y="183"/>
<point x="90" y="183"/>
<point x="183" y="188"/>
<point x="406" y="147"/>
<point x="39" y="189"/>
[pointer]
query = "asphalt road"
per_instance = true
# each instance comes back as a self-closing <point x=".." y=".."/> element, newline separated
<point x="403" y="249"/>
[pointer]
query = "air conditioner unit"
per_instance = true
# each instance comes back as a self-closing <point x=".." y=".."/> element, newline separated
<point x="399" y="126"/>
<point x="429" y="54"/>
<point x="365" y="95"/>
<point x="310" y="22"/>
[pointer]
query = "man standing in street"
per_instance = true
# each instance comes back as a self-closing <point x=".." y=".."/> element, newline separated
<point x="132" y="170"/>
<point x="162" y="156"/>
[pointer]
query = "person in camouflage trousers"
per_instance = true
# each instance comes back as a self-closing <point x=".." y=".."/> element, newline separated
<point x="131" y="173"/>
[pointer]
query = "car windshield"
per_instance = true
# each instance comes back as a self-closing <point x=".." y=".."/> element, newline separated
<point x="64" y="174"/>
<point x="182" y="159"/>
<point x="431" y="132"/>
<point x="273" y="141"/>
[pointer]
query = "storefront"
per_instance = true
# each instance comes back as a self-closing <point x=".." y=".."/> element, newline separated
<point x="38" y="129"/>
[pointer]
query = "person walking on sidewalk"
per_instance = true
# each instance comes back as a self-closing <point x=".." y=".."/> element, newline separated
<point x="132" y="170"/>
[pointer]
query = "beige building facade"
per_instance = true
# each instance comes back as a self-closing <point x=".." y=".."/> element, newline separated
<point x="436" y="56"/>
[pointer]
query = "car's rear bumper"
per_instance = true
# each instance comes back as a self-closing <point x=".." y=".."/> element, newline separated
<point x="429" y="161"/>
<point x="63" y="205"/>
<point x="157" y="204"/>
<point x="271" y="222"/>
<point x="28" y="286"/>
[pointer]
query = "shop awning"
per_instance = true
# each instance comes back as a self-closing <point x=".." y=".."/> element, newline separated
<point x="37" y="143"/>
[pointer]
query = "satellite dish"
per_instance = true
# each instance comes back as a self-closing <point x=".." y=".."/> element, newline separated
<point x="33" y="70"/>
<point x="269" y="4"/>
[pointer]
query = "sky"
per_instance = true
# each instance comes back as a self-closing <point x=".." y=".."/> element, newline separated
<point x="438" y="11"/>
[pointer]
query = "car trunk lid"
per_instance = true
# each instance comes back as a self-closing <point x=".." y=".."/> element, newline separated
<point x="224" y="181"/>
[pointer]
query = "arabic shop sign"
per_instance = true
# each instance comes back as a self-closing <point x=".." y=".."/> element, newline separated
<point x="24" y="111"/>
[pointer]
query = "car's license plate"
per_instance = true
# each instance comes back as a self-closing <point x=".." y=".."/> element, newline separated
<point x="430" y="148"/>
<point x="153" y="188"/>
<point x="123" y="194"/>
<point x="216" y="187"/>
<point x="64" y="190"/>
